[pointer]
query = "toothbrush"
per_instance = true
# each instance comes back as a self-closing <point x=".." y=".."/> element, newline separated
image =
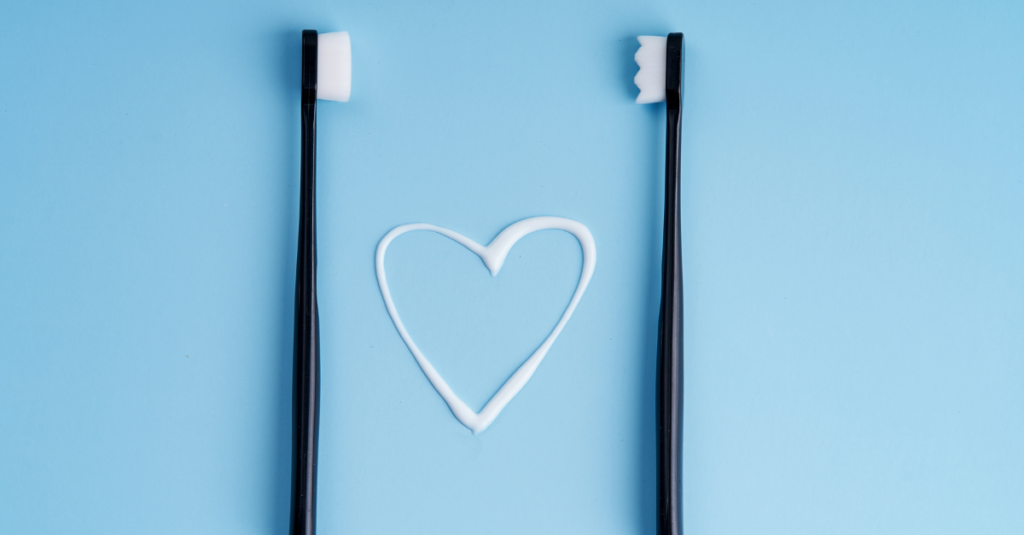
<point x="661" y="79"/>
<point x="326" y="74"/>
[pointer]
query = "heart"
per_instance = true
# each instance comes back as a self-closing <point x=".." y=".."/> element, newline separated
<point x="493" y="256"/>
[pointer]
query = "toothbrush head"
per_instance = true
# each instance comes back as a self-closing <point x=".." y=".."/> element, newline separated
<point x="651" y="78"/>
<point x="334" y="66"/>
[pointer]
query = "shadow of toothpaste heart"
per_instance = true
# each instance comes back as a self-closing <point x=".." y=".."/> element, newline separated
<point x="493" y="256"/>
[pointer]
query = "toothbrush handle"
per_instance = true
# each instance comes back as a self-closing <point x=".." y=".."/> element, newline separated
<point x="670" y="322"/>
<point x="306" y="371"/>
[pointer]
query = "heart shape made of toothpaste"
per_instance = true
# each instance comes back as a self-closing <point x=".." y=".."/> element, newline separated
<point x="493" y="256"/>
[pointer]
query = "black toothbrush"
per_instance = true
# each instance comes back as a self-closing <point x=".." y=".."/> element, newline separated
<point x="670" y="321"/>
<point x="306" y="371"/>
<point x="326" y="75"/>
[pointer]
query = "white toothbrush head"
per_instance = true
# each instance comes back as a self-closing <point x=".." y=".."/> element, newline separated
<point x="333" y="66"/>
<point x="651" y="78"/>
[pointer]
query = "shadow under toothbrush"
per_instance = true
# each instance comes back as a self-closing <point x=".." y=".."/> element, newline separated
<point x="280" y="388"/>
<point x="648" y="465"/>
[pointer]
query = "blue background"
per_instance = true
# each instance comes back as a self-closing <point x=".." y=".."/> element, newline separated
<point x="853" y="198"/>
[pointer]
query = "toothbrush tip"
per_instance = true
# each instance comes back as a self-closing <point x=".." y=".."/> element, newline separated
<point x="334" y="66"/>
<point x="651" y="77"/>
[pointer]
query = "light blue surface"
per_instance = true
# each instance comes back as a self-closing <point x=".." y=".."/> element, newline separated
<point x="853" y="194"/>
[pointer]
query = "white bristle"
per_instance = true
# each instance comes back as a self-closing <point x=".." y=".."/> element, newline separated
<point x="334" y="66"/>
<point x="651" y="78"/>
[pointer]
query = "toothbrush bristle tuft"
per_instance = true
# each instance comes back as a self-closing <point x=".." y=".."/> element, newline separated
<point x="651" y="78"/>
<point x="333" y="66"/>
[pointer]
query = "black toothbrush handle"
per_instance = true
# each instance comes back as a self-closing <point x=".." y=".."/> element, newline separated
<point x="670" y="322"/>
<point x="306" y="371"/>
